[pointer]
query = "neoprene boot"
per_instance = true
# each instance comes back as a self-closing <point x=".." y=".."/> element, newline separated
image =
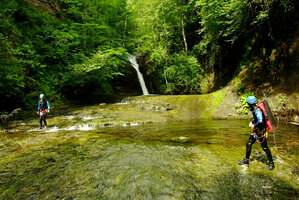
<point x="271" y="165"/>
<point x="245" y="161"/>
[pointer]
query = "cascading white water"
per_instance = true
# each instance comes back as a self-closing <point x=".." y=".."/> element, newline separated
<point x="134" y="63"/>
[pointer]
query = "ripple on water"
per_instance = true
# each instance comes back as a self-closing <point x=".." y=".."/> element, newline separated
<point x="70" y="117"/>
<point x="141" y="162"/>
<point x="89" y="118"/>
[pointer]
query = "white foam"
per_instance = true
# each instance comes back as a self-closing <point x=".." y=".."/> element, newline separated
<point x="71" y="128"/>
<point x="88" y="118"/>
<point x="9" y="131"/>
<point x="244" y="168"/>
<point x="68" y="117"/>
<point x="52" y="129"/>
<point x="134" y="124"/>
<point x="33" y="130"/>
<point x="79" y="127"/>
<point x="122" y="103"/>
<point x="85" y="127"/>
<point x="280" y="160"/>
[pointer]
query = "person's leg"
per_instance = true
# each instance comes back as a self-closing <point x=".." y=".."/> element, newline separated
<point x="269" y="155"/>
<point x="249" y="144"/>
<point x="45" y="122"/>
<point x="40" y="121"/>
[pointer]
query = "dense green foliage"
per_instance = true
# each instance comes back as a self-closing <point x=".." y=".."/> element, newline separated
<point x="223" y="35"/>
<point x="42" y="53"/>
<point x="76" y="48"/>
<point x="94" y="75"/>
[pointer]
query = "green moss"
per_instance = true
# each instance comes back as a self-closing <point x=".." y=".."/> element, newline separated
<point x="178" y="160"/>
<point x="218" y="97"/>
<point x="216" y="141"/>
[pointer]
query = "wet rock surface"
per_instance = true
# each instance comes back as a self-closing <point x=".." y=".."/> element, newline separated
<point x="133" y="150"/>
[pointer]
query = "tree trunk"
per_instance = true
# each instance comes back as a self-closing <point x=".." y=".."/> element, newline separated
<point x="183" y="31"/>
<point x="84" y="29"/>
<point x="125" y="29"/>
<point x="166" y="34"/>
<point x="155" y="39"/>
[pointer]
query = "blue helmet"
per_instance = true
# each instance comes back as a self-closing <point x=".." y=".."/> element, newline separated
<point x="251" y="100"/>
<point x="42" y="96"/>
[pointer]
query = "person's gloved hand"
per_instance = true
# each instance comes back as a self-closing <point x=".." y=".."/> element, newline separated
<point x="48" y="111"/>
<point x="251" y="125"/>
<point x="37" y="113"/>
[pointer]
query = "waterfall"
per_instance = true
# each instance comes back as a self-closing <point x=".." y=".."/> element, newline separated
<point x="134" y="63"/>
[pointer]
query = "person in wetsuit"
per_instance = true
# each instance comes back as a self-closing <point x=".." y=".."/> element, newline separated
<point x="42" y="110"/>
<point x="259" y="128"/>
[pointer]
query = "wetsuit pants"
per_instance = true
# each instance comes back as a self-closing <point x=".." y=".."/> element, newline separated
<point x="41" y="119"/>
<point x="264" y="145"/>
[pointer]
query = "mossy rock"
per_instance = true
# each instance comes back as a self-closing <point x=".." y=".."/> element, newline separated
<point x="180" y="139"/>
<point x="216" y="141"/>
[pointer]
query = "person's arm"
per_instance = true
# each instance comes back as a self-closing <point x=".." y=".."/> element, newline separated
<point x="259" y="116"/>
<point x="48" y="106"/>
<point x="38" y="108"/>
<point x="251" y="124"/>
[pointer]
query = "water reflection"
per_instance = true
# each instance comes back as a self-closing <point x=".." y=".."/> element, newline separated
<point x="177" y="160"/>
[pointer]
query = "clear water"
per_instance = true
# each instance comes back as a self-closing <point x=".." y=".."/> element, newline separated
<point x="175" y="160"/>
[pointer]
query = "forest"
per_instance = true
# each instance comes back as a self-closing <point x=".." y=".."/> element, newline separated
<point x="77" y="50"/>
<point x="149" y="99"/>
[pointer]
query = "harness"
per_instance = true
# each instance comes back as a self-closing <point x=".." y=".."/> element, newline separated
<point x="43" y="112"/>
<point x="43" y="108"/>
<point x="258" y="134"/>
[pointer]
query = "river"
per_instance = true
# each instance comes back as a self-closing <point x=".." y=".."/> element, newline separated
<point x="166" y="160"/>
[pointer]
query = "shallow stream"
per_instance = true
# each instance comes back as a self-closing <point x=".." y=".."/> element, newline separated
<point x="167" y="160"/>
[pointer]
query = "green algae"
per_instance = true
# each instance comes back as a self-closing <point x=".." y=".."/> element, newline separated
<point x="150" y="148"/>
<point x="216" y="141"/>
<point x="157" y="161"/>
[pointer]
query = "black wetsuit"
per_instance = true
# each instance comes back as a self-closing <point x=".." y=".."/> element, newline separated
<point x="258" y="133"/>
<point x="43" y="106"/>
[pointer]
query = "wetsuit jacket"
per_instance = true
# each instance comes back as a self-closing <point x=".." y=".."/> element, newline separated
<point x="43" y="105"/>
<point x="258" y="118"/>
